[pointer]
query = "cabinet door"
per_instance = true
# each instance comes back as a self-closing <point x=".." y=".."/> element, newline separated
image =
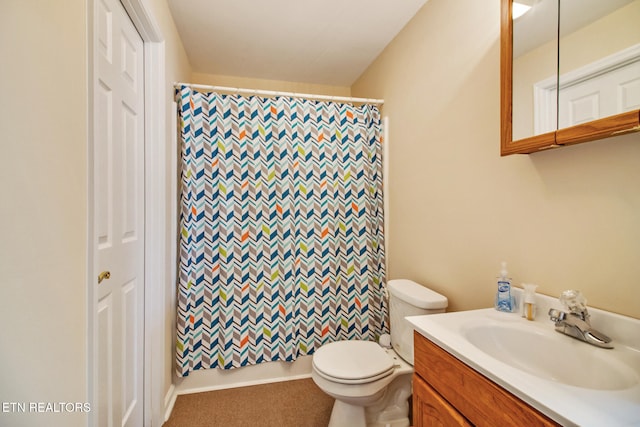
<point x="431" y="410"/>
<point x="480" y="400"/>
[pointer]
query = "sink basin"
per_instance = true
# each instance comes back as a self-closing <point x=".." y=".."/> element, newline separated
<point x="570" y="381"/>
<point x="552" y="356"/>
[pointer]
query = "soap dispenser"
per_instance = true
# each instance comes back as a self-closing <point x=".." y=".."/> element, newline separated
<point x="504" y="300"/>
<point x="529" y="301"/>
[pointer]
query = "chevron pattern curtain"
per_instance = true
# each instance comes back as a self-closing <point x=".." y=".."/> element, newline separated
<point x="281" y="228"/>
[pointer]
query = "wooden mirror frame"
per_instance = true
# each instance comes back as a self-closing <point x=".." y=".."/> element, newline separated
<point x="597" y="129"/>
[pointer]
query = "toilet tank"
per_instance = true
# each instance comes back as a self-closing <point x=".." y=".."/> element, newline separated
<point x="407" y="298"/>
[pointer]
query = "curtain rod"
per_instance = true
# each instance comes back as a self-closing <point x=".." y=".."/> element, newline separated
<point x="278" y="93"/>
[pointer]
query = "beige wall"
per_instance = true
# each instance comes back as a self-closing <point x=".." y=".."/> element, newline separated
<point x="563" y="219"/>
<point x="277" y="85"/>
<point x="43" y="206"/>
<point x="43" y="215"/>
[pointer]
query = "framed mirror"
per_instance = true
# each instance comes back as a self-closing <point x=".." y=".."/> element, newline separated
<point x="587" y="48"/>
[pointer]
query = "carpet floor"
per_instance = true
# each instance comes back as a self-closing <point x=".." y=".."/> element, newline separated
<point x="298" y="403"/>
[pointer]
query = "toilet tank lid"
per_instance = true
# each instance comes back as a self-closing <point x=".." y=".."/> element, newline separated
<point x="416" y="295"/>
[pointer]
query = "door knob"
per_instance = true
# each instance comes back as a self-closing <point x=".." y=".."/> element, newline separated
<point x="103" y="275"/>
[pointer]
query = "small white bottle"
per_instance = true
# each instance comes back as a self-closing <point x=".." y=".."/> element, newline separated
<point x="504" y="301"/>
<point x="529" y="301"/>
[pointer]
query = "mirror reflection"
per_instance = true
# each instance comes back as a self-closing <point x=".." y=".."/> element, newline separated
<point x="535" y="62"/>
<point x="599" y="59"/>
<point x="598" y="69"/>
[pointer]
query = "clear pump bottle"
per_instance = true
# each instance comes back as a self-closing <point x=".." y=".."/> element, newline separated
<point x="529" y="301"/>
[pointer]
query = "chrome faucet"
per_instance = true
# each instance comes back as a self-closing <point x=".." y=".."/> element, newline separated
<point x="576" y="323"/>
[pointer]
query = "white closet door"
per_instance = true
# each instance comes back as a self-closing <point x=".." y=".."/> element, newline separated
<point x="118" y="162"/>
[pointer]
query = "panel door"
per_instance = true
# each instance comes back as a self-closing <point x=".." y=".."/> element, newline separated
<point x="118" y="171"/>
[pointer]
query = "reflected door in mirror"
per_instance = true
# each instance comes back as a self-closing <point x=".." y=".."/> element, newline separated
<point x="599" y="67"/>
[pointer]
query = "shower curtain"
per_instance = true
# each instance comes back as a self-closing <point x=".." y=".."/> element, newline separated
<point x="281" y="228"/>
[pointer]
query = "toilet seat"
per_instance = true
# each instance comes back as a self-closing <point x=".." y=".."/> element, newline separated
<point x="352" y="362"/>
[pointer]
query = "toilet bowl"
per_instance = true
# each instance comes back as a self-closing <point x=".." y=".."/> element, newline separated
<point x="372" y="384"/>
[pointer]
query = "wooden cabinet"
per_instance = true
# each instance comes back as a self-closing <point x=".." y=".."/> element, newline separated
<point x="446" y="392"/>
<point x="431" y="410"/>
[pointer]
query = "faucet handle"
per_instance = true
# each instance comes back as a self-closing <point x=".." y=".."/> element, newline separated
<point x="575" y="302"/>
<point x="557" y="315"/>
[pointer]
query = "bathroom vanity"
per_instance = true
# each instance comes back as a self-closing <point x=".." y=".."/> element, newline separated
<point x="446" y="392"/>
<point x="489" y="368"/>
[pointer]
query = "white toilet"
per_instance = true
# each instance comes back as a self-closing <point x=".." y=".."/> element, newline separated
<point x="372" y="384"/>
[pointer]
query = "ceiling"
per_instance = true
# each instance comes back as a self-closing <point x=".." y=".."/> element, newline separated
<point x="540" y="24"/>
<point x="327" y="42"/>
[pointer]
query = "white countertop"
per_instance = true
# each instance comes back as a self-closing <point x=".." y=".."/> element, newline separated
<point x="566" y="404"/>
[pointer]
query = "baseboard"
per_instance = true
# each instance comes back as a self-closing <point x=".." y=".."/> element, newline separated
<point x="241" y="384"/>
<point x="169" y="401"/>
<point x="264" y="373"/>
